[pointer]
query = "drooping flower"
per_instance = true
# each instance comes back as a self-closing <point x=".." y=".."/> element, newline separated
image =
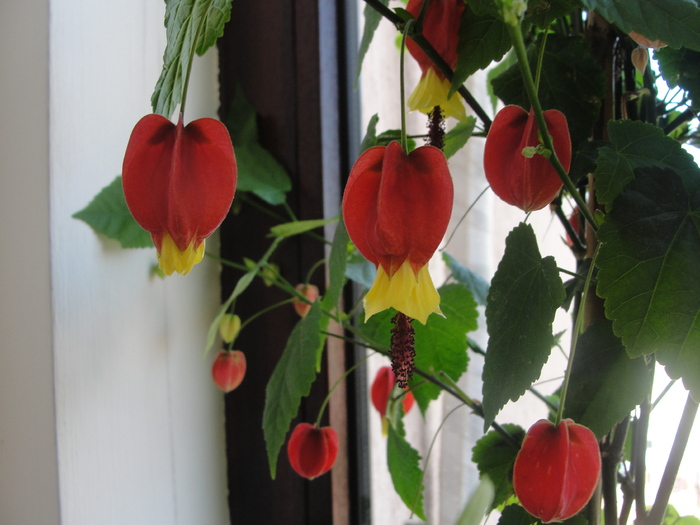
<point x="556" y="469"/>
<point x="440" y="28"/>
<point x="381" y="392"/>
<point x="396" y="209"/>
<point x="228" y="370"/>
<point x="528" y="182"/>
<point x="179" y="182"/>
<point x="312" y="451"/>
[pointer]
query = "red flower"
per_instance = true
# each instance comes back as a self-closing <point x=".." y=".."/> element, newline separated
<point x="312" y="451"/>
<point x="396" y="209"/>
<point x="556" y="470"/>
<point x="528" y="182"/>
<point x="228" y="370"/>
<point x="179" y="183"/>
<point x="381" y="391"/>
<point x="441" y="29"/>
<point x="310" y="291"/>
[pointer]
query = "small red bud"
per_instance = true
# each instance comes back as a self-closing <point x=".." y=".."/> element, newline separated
<point x="228" y="370"/>
<point x="556" y="470"/>
<point x="312" y="451"/>
<point x="310" y="291"/>
<point x="381" y="390"/>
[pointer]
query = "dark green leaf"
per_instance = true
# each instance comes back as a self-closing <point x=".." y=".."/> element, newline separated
<point x="543" y="13"/>
<point x="681" y="67"/>
<point x="190" y="25"/>
<point x="674" y="22"/>
<point x="337" y="261"/>
<point x="634" y="145"/>
<point x="109" y="215"/>
<point x="457" y="137"/>
<point x="605" y="383"/>
<point x="372" y="19"/>
<point x="291" y="380"/>
<point x="494" y="456"/>
<point x="370" y="138"/>
<point x="572" y="82"/>
<point x="649" y="273"/>
<point x="258" y="171"/>
<point x="524" y="296"/>
<point x="483" y="39"/>
<point x="516" y="515"/>
<point x="477" y="285"/>
<point x="403" y="461"/>
<point x="441" y="344"/>
<point x="584" y="161"/>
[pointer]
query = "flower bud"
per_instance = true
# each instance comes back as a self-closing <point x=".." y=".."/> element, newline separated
<point x="310" y="291"/>
<point x="312" y="451"/>
<point x="229" y="326"/>
<point x="228" y="370"/>
<point x="556" y="470"/>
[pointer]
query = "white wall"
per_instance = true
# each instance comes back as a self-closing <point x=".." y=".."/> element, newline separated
<point x="107" y="411"/>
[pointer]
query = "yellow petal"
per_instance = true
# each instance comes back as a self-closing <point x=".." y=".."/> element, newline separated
<point x="432" y="91"/>
<point x="411" y="294"/>
<point x="171" y="259"/>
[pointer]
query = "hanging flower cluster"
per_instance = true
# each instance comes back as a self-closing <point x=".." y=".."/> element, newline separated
<point x="518" y="172"/>
<point x="179" y="183"/>
<point x="556" y="470"/>
<point x="311" y="450"/>
<point x="440" y="28"/>
<point x="396" y="209"/>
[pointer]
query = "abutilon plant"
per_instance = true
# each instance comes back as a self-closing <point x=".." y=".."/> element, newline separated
<point x="516" y="166"/>
<point x="179" y="182"/>
<point x="440" y="29"/>
<point x="228" y="370"/>
<point x="556" y="470"/>
<point x="381" y="391"/>
<point x="312" y="451"/>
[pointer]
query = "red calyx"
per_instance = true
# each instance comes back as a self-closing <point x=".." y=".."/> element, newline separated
<point x="530" y="183"/>
<point x="312" y="451"/>
<point x="310" y="291"/>
<point x="228" y="370"/>
<point x="381" y="390"/>
<point x="440" y="28"/>
<point x="556" y="470"/>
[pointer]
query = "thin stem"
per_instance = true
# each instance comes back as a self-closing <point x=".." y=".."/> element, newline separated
<point x="685" y="425"/>
<point x="330" y="392"/>
<point x="612" y="456"/>
<point x="402" y="86"/>
<point x="639" y="447"/>
<point x="464" y="216"/>
<point x="516" y="37"/>
<point x="540" y="59"/>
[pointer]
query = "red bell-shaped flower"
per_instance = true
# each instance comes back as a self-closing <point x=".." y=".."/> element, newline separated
<point x="312" y="451"/>
<point x="396" y="209"/>
<point x="441" y="29"/>
<point x="228" y="370"/>
<point x="179" y="182"/>
<point x="381" y="391"/>
<point x="556" y="470"/>
<point x="528" y="182"/>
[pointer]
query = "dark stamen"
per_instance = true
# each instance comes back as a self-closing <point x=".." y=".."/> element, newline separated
<point x="402" y="350"/>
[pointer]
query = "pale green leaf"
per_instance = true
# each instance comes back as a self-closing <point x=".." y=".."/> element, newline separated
<point x="403" y="461"/>
<point x="289" y="229"/>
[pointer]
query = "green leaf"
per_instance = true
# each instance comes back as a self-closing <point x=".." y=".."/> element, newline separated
<point x="441" y="344"/>
<point x="542" y="17"/>
<point x="337" y="262"/>
<point x="572" y="82"/>
<point x="479" y="503"/>
<point x="681" y="67"/>
<point x="674" y="22"/>
<point x="516" y="515"/>
<point x="109" y="215"/>
<point x="634" y="145"/>
<point x="403" y="461"/>
<point x="494" y="457"/>
<point x="370" y="138"/>
<point x="649" y="276"/>
<point x="524" y="296"/>
<point x="191" y="25"/>
<point x="457" y="137"/>
<point x="372" y="19"/>
<point x="258" y="171"/>
<point x="359" y="269"/>
<point x="240" y="287"/>
<point x="289" y="229"/>
<point x="291" y="380"/>
<point x="605" y="383"/>
<point x="477" y="285"/>
<point x="483" y="39"/>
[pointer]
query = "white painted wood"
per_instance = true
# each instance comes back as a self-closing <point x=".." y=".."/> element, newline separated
<point x="107" y="411"/>
<point x="28" y="464"/>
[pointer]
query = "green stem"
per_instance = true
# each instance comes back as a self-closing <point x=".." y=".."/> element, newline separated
<point x="540" y="59"/>
<point x="330" y="392"/>
<point x="402" y="87"/>
<point x="516" y="37"/>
